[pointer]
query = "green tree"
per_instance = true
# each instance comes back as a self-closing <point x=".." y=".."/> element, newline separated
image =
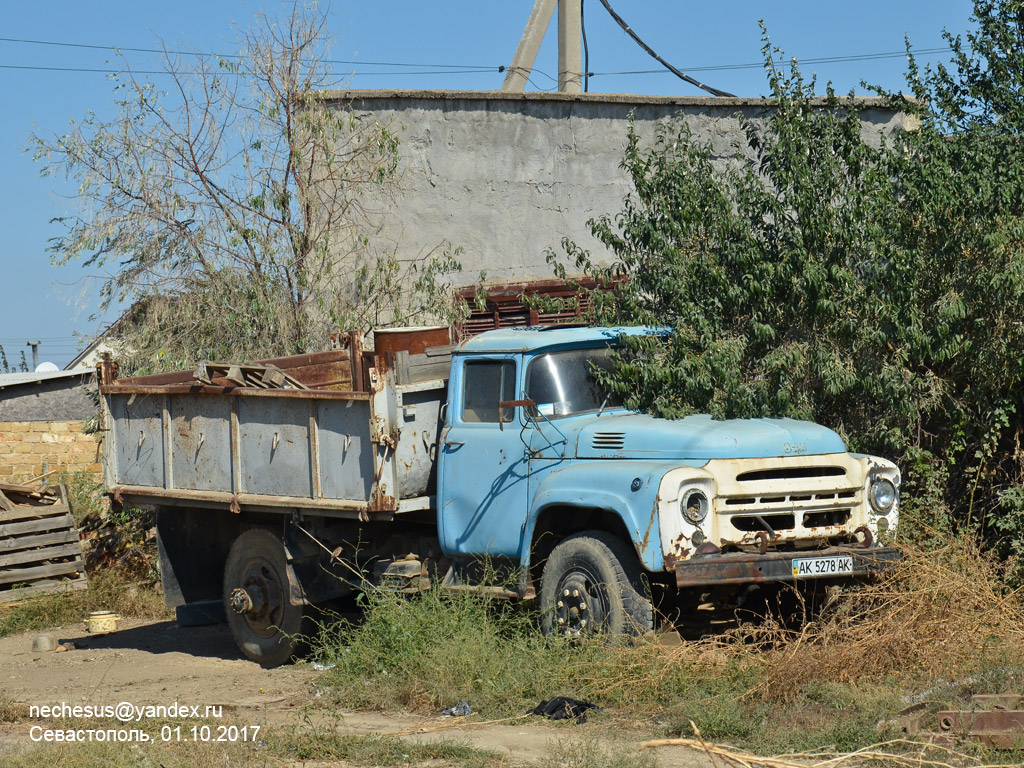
<point x="231" y="207"/>
<point x="877" y="289"/>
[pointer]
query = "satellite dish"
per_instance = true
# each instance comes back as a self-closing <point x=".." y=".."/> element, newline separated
<point x="46" y="368"/>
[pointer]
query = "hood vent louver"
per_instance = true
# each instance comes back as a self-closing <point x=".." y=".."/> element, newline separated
<point x="608" y="441"/>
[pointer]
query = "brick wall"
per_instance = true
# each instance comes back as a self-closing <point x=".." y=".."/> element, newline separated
<point x="25" y="446"/>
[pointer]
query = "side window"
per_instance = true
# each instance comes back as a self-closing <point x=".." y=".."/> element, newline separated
<point x="485" y="384"/>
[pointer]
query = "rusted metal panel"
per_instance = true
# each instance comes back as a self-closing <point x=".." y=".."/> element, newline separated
<point x="346" y="454"/>
<point x="139" y="440"/>
<point x="200" y="442"/>
<point x="246" y="446"/>
<point x="275" y="452"/>
<point x="294" y="365"/>
<point x="994" y="721"/>
<point x="241" y="392"/>
<point x="746" y="568"/>
<point x="415" y="341"/>
<point x="348" y="508"/>
<point x="419" y="425"/>
<point x="505" y="304"/>
<point x="384" y="434"/>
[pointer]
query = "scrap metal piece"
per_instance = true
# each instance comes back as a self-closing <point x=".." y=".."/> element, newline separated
<point x="1001" y="727"/>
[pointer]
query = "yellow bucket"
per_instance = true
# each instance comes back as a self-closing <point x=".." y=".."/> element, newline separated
<point x="102" y="621"/>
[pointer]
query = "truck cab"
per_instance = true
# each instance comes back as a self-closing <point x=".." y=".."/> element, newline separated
<point x="540" y="466"/>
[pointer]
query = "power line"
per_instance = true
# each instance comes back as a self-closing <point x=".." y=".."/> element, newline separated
<point x="818" y="60"/>
<point x="681" y="75"/>
<point x="165" y="72"/>
<point x="447" y="68"/>
<point x="484" y="67"/>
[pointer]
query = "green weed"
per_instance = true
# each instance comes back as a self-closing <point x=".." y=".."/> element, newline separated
<point x="107" y="590"/>
<point x="132" y="755"/>
<point x="325" y="742"/>
<point x="594" y="752"/>
<point x="9" y="711"/>
<point x="85" y="494"/>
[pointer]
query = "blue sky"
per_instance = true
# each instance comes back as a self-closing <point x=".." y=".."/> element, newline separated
<point x="39" y="301"/>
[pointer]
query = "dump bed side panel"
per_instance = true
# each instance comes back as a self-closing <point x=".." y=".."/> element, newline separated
<point x="236" y="435"/>
<point x="289" y="448"/>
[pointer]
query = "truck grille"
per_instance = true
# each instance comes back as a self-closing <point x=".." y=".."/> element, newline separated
<point x="787" y="522"/>
<point x="793" y="498"/>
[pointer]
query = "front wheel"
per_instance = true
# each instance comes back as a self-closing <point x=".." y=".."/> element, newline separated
<point x="592" y="583"/>
<point x="265" y="624"/>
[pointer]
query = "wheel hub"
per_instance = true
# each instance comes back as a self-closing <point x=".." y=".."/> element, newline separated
<point x="580" y="605"/>
<point x="259" y="598"/>
<point x="243" y="601"/>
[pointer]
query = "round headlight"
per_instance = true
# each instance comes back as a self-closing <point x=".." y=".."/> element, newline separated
<point x="695" y="506"/>
<point x="882" y="495"/>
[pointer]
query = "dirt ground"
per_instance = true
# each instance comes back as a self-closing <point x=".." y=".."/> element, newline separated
<point x="159" y="663"/>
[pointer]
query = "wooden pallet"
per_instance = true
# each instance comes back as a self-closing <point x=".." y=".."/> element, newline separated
<point x="39" y="545"/>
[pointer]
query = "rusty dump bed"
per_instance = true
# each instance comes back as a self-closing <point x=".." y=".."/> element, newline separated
<point x="282" y="434"/>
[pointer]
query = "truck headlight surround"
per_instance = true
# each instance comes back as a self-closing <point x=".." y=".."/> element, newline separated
<point x="695" y="506"/>
<point x="882" y="495"/>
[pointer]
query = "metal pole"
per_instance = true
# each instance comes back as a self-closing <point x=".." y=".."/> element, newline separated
<point x="35" y="353"/>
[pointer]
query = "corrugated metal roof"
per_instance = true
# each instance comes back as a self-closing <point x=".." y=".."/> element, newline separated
<point x="34" y="377"/>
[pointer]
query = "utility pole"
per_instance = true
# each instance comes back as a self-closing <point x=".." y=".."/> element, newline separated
<point x="570" y="27"/>
<point x="570" y="69"/>
<point x="35" y="353"/>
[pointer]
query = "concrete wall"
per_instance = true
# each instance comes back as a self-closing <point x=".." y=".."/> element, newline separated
<point x="26" y="446"/>
<point x="508" y="175"/>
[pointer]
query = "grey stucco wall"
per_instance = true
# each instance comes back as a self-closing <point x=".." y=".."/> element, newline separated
<point x="64" y="399"/>
<point x="506" y="176"/>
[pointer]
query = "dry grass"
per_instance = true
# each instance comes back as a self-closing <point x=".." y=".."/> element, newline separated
<point x="940" y="613"/>
<point x="107" y="590"/>
<point x="897" y="753"/>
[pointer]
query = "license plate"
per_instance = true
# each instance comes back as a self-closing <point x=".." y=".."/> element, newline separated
<point x="808" y="568"/>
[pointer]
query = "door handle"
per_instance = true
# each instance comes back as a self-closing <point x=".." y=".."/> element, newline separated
<point x="452" y="443"/>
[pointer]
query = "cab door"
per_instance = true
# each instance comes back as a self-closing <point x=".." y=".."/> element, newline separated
<point x="483" y="470"/>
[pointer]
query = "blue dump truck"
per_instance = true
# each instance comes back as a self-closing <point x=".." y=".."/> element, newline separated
<point x="497" y="465"/>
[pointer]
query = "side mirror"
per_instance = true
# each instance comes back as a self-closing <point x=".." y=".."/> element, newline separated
<point x="510" y="404"/>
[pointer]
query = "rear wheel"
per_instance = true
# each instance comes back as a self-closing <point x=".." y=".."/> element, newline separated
<point x="265" y="624"/>
<point x="592" y="583"/>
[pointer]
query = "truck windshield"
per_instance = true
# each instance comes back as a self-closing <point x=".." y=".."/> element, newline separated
<point x="563" y="384"/>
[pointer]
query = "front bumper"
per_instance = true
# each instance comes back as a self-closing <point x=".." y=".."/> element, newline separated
<point x="751" y="568"/>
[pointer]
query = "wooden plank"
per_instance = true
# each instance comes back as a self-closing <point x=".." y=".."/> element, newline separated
<point x="235" y="376"/>
<point x="402" y="367"/>
<point x="24" y="575"/>
<point x="15" y="596"/>
<point x="5" y="503"/>
<point x="39" y="555"/>
<point x="26" y="512"/>
<point x="27" y="490"/>
<point x="42" y="540"/>
<point x="35" y="526"/>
